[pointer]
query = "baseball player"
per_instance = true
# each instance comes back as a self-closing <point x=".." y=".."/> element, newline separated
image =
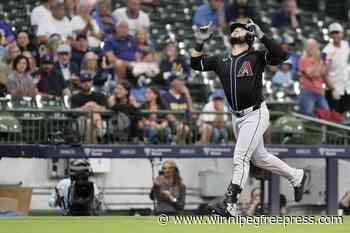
<point x="240" y="72"/>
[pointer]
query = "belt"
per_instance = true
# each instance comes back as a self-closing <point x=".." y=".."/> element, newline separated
<point x="246" y="110"/>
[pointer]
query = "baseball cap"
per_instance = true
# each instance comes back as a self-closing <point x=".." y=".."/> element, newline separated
<point x="46" y="60"/>
<point x="218" y="95"/>
<point x="335" y="27"/>
<point x="64" y="48"/>
<point x="86" y="77"/>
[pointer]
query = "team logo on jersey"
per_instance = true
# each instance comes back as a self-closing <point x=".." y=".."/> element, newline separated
<point x="245" y="70"/>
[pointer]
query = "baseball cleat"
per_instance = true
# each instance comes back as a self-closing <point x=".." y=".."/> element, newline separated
<point x="299" y="190"/>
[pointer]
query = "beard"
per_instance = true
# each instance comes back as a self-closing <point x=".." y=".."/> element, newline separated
<point x="238" y="40"/>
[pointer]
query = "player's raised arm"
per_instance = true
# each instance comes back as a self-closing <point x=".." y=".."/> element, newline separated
<point x="274" y="54"/>
<point x="198" y="62"/>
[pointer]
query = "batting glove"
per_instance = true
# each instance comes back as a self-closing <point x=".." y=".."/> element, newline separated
<point x="256" y="29"/>
<point x="203" y="33"/>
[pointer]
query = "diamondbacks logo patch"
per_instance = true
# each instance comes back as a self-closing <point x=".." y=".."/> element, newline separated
<point x="245" y="70"/>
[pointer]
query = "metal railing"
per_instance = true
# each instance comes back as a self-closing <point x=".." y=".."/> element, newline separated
<point x="56" y="124"/>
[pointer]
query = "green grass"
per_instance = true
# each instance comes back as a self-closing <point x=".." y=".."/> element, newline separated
<point x="147" y="225"/>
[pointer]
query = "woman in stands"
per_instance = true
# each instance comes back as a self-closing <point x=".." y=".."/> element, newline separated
<point x="20" y="82"/>
<point x="126" y="115"/>
<point x="312" y="82"/>
<point x="168" y="191"/>
<point x="155" y="126"/>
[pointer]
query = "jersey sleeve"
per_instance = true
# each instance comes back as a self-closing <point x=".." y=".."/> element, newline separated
<point x="204" y="63"/>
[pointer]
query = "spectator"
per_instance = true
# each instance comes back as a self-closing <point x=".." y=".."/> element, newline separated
<point x="125" y="112"/>
<point x="41" y="13"/>
<point x="24" y="44"/>
<point x="121" y="49"/>
<point x="66" y="68"/>
<point x="20" y="83"/>
<point x="12" y="52"/>
<point x="255" y="206"/>
<point x="80" y="48"/>
<point x="58" y="23"/>
<point x="134" y="16"/>
<point x="238" y="10"/>
<point x="313" y="71"/>
<point x="337" y="53"/>
<point x="32" y="62"/>
<point x="287" y="45"/>
<point x="90" y="65"/>
<point x="172" y="64"/>
<point x="90" y="101"/>
<point x="168" y="191"/>
<point x="211" y="12"/>
<point x="55" y="41"/>
<point x="212" y="126"/>
<point x="103" y="17"/>
<point x="50" y="82"/>
<point x="155" y="127"/>
<point x="143" y="41"/>
<point x="85" y="24"/>
<point x="344" y="203"/>
<point x="6" y="31"/>
<point x="178" y="99"/>
<point x="71" y="7"/>
<point x="283" y="77"/>
<point x="287" y="16"/>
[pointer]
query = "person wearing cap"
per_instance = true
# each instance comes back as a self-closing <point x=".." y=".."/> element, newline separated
<point x="50" y="82"/>
<point x="132" y="13"/>
<point x="212" y="127"/>
<point x="337" y="53"/>
<point x="287" y="45"/>
<point x="57" y="23"/>
<point x="178" y="99"/>
<point x="211" y="12"/>
<point x="283" y="77"/>
<point x="89" y="100"/>
<point x="171" y="64"/>
<point x="312" y="81"/>
<point x="68" y="69"/>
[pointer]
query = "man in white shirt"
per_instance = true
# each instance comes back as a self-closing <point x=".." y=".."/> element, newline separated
<point x="337" y="53"/>
<point x="41" y="13"/>
<point x="58" y="23"/>
<point x="132" y="14"/>
<point x="85" y="24"/>
<point x="212" y="127"/>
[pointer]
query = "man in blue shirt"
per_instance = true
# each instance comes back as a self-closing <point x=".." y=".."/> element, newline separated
<point x="211" y="12"/>
<point x="104" y="18"/>
<point x="121" y="49"/>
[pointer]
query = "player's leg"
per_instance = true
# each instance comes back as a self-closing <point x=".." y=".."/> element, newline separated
<point x="263" y="159"/>
<point x="249" y="132"/>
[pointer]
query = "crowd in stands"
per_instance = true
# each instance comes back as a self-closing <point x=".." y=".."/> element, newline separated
<point x="103" y="58"/>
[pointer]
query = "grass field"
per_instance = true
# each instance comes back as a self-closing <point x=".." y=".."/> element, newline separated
<point x="147" y="225"/>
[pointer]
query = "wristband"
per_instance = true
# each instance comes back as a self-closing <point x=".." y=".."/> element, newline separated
<point x="199" y="47"/>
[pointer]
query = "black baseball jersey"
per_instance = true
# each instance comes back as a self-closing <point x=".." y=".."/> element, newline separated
<point x="241" y="75"/>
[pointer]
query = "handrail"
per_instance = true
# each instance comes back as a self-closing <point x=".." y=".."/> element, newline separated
<point x="320" y="121"/>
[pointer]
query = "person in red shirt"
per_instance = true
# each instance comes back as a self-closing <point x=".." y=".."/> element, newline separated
<point x="312" y="82"/>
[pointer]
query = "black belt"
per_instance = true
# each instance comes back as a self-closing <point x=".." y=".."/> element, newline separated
<point x="245" y="111"/>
